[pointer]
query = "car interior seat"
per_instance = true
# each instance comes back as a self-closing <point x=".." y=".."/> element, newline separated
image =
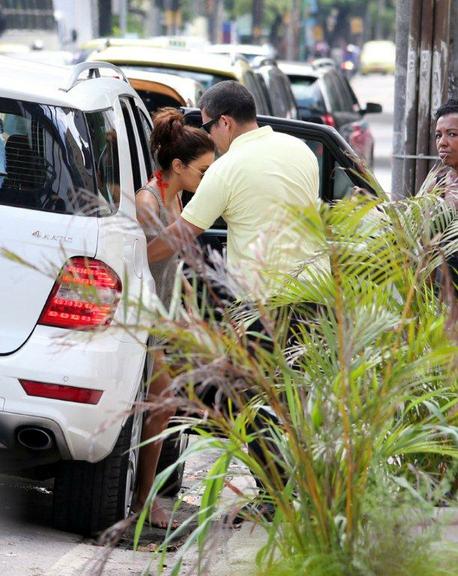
<point x="25" y="173"/>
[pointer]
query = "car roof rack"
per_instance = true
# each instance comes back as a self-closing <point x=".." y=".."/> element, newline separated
<point x="93" y="69"/>
<point x="323" y="63"/>
<point x="261" y="60"/>
<point x="233" y="56"/>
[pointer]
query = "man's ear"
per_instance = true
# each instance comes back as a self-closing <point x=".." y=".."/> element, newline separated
<point x="227" y="121"/>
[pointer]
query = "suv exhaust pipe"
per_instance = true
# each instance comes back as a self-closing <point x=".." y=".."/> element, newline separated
<point x="35" y="438"/>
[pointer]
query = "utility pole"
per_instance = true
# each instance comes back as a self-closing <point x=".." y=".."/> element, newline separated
<point x="423" y="31"/>
<point x="123" y="17"/>
<point x="256" y="22"/>
<point x="400" y="81"/>
<point x="292" y="24"/>
<point x="212" y="20"/>
<point x="453" y="70"/>
<point x="105" y="18"/>
<point x="153" y="19"/>
<point x="379" y="21"/>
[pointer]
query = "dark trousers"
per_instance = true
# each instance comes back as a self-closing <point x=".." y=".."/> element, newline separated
<point x="258" y="337"/>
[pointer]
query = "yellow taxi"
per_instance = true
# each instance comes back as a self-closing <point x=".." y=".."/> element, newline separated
<point x="207" y="69"/>
<point x="158" y="90"/>
<point x="378" y="56"/>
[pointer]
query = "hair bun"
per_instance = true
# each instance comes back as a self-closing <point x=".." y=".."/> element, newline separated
<point x="168" y="128"/>
<point x="172" y="138"/>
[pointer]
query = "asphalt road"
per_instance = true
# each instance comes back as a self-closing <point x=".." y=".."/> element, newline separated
<point x="379" y="88"/>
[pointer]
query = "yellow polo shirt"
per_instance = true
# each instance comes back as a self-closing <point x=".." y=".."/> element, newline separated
<point x="249" y="186"/>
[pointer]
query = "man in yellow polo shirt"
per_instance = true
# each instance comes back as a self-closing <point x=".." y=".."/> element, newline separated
<point x="260" y="172"/>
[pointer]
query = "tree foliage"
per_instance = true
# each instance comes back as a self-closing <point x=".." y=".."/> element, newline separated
<point x="272" y="8"/>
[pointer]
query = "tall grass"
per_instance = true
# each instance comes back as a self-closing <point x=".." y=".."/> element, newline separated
<point x="354" y="405"/>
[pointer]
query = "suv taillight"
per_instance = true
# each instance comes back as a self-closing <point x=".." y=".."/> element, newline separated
<point x="329" y="120"/>
<point x="85" y="295"/>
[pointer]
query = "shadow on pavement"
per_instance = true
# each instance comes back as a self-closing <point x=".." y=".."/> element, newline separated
<point x="24" y="500"/>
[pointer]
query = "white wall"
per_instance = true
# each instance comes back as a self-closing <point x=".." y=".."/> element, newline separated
<point x="79" y="15"/>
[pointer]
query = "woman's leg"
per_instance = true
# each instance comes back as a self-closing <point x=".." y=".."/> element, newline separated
<point x="155" y="422"/>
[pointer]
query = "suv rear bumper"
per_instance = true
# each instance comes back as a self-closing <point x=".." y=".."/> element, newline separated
<point x="79" y="431"/>
<point x="16" y="457"/>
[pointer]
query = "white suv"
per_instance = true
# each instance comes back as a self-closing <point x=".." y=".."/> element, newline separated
<point x="73" y="150"/>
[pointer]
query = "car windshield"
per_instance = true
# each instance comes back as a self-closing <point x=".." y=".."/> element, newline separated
<point x="45" y="160"/>
<point x="307" y="92"/>
<point x="207" y="79"/>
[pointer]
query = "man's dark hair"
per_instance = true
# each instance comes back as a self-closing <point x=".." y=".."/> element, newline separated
<point x="231" y="98"/>
<point x="450" y="107"/>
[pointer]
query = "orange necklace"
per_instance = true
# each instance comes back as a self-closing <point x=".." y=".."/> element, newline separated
<point x="162" y="185"/>
<point x="159" y="175"/>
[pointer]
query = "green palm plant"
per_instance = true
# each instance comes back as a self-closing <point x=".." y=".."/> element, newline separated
<point x="360" y="385"/>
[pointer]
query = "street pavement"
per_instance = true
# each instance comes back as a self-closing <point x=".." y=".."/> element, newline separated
<point x="380" y="89"/>
<point x="30" y="547"/>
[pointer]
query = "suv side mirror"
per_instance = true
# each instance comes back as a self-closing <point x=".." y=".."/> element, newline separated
<point x="371" y="108"/>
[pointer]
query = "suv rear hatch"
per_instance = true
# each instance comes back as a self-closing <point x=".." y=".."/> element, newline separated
<point x="49" y="205"/>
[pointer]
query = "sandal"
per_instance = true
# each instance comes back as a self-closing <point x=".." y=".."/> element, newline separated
<point x="251" y="511"/>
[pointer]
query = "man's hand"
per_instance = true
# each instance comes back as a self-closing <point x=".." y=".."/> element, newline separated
<point x="174" y="238"/>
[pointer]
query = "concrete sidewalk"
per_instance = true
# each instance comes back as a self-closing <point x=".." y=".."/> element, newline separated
<point x="236" y="557"/>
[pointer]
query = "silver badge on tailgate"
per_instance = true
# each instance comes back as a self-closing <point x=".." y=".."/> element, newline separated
<point x="53" y="237"/>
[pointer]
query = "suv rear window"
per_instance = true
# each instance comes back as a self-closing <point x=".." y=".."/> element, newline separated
<point x="307" y="92"/>
<point x="45" y="160"/>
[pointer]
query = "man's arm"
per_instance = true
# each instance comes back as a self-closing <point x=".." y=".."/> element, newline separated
<point x="176" y="236"/>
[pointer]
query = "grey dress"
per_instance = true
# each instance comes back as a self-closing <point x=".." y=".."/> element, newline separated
<point x="163" y="272"/>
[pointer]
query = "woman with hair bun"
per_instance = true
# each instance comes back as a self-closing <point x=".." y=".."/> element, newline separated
<point x="182" y="154"/>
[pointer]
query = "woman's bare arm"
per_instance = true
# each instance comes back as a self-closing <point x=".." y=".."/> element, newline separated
<point x="175" y="237"/>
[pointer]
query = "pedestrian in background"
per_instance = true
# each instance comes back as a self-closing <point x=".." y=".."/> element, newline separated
<point x="446" y="137"/>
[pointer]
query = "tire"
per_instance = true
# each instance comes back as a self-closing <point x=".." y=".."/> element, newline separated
<point x="172" y="448"/>
<point x="88" y="498"/>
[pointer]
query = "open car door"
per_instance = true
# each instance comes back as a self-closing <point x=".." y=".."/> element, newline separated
<point x="340" y="168"/>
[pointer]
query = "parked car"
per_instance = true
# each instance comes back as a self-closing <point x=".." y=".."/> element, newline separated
<point x="249" y="51"/>
<point x="378" y="56"/>
<point x="274" y="82"/>
<point x="74" y="151"/>
<point x="57" y="57"/>
<point x="280" y="94"/>
<point x="158" y="90"/>
<point x="324" y="95"/>
<point x="7" y="48"/>
<point x="179" y="42"/>
<point x="208" y="69"/>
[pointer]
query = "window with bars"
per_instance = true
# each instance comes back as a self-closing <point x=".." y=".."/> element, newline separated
<point x="29" y="14"/>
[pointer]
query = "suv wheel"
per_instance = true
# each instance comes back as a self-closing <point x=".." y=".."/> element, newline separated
<point x="172" y="448"/>
<point x="91" y="497"/>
